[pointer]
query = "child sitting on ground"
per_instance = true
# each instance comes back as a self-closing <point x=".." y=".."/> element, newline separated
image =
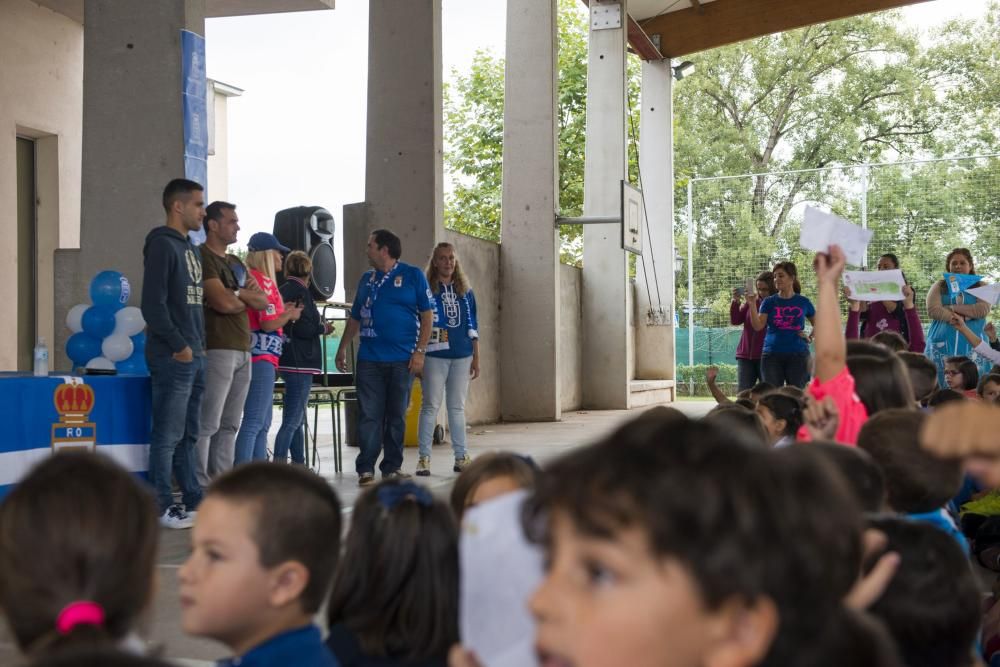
<point x="922" y="374"/>
<point x="989" y="388"/>
<point x="78" y="541"/>
<point x="918" y="484"/>
<point x="395" y="596"/>
<point x="265" y="545"/>
<point x="931" y="605"/>
<point x="491" y="475"/>
<point x="782" y="417"/>
<point x="863" y="476"/>
<point x="962" y="375"/>
<point x="690" y="547"/>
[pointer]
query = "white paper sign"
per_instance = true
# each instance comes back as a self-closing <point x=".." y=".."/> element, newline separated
<point x="499" y="570"/>
<point x="821" y="230"/>
<point x="988" y="293"/>
<point x="875" y="285"/>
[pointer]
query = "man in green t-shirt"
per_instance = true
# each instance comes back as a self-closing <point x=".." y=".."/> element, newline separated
<point x="229" y="291"/>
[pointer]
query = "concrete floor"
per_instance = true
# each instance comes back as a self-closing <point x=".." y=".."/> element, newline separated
<point x="542" y="441"/>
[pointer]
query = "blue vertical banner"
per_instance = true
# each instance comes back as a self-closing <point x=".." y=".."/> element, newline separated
<point x="195" y="106"/>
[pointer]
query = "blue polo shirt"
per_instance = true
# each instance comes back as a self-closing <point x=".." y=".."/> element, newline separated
<point x="786" y="319"/>
<point x="302" y="647"/>
<point x="388" y="307"/>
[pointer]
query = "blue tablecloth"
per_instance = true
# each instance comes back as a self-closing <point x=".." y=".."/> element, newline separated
<point x="121" y="418"/>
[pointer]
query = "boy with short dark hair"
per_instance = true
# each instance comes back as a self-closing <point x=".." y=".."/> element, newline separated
<point x="917" y="483"/>
<point x="265" y="546"/>
<point x="931" y="605"/>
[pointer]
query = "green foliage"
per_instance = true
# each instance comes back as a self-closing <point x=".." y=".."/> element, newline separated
<point x="473" y="117"/>
<point x="726" y="380"/>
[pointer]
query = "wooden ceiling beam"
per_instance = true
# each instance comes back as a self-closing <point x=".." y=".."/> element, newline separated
<point x="713" y="24"/>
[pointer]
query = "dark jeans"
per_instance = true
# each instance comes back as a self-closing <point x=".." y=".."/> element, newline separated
<point x="747" y="373"/>
<point x="297" y="387"/>
<point x="251" y="441"/>
<point x="781" y="369"/>
<point x="383" y="394"/>
<point x="177" y="391"/>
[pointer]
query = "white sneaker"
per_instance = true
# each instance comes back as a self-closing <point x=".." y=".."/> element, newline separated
<point x="175" y="517"/>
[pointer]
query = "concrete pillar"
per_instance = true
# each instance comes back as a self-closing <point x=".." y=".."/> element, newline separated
<point x="607" y="353"/>
<point x="654" y="355"/>
<point x="404" y="174"/>
<point x="133" y="139"/>
<point x="529" y="250"/>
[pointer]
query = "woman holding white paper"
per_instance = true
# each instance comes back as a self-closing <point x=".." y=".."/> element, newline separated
<point x="947" y="298"/>
<point x="877" y="316"/>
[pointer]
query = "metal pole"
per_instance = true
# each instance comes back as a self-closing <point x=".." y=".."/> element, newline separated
<point x="864" y="208"/>
<point x="690" y="299"/>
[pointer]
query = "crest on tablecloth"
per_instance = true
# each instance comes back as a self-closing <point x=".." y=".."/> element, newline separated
<point x="74" y="401"/>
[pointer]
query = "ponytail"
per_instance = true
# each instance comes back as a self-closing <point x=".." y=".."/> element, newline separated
<point x="796" y="286"/>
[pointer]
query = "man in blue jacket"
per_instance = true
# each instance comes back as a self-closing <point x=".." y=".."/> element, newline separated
<point x="175" y="348"/>
<point x="393" y="314"/>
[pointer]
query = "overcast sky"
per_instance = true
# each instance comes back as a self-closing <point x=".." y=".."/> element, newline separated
<point x="297" y="135"/>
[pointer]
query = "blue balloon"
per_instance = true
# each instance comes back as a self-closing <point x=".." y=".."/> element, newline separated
<point x="111" y="289"/>
<point x="82" y="347"/>
<point x="99" y="321"/>
<point x="134" y="365"/>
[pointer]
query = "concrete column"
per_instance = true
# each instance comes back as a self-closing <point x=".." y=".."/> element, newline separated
<point x="133" y="139"/>
<point x="654" y="355"/>
<point x="607" y="353"/>
<point x="529" y="250"/>
<point x="404" y="174"/>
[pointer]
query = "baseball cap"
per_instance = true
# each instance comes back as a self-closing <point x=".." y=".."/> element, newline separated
<point x="265" y="241"/>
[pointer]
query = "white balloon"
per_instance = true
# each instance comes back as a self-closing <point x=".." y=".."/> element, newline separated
<point x="101" y="363"/>
<point x="74" y="318"/>
<point x="117" y="347"/>
<point x="128" y="321"/>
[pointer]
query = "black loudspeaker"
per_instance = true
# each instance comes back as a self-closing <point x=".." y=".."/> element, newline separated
<point x="310" y="229"/>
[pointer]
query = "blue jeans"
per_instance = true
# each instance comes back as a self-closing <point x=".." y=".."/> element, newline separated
<point x="383" y="394"/>
<point x="781" y="369"/>
<point x="747" y="373"/>
<point x="251" y="441"/>
<point x="177" y="391"/>
<point x="297" y="387"/>
<point x="444" y="377"/>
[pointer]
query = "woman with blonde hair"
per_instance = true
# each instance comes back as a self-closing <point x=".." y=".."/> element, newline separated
<point x="264" y="260"/>
<point x="301" y="358"/>
<point x="452" y="355"/>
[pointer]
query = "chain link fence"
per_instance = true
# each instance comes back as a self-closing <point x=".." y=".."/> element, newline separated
<point x="734" y="227"/>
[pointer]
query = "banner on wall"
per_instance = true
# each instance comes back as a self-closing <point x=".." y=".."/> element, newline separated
<point x="195" y="108"/>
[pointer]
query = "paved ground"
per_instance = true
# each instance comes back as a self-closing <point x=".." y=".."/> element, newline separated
<point x="542" y="441"/>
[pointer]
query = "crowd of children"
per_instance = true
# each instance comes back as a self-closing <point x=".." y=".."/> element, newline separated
<point x="835" y="525"/>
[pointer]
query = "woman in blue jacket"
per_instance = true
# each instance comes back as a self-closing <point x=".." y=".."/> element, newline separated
<point x="301" y="357"/>
<point x="452" y="355"/>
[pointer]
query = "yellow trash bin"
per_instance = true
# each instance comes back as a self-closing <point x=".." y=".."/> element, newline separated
<point x="411" y="436"/>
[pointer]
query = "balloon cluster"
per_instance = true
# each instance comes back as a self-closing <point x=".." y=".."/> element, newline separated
<point x="107" y="334"/>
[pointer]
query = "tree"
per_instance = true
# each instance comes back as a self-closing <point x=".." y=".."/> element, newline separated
<point x="474" y="135"/>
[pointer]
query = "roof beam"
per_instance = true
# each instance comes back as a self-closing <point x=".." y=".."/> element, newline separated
<point x="641" y="43"/>
<point x="713" y="24"/>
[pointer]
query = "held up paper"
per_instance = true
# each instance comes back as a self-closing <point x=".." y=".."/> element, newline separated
<point x="499" y="570"/>
<point x="988" y="293"/>
<point x="875" y="285"/>
<point x="821" y="230"/>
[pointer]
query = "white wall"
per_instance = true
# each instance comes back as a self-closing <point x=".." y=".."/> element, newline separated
<point x="41" y="96"/>
<point x="218" y="161"/>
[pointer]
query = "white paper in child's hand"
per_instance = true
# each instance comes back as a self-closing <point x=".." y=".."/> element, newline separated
<point x="500" y="570"/>
<point x="875" y="285"/>
<point x="820" y="230"/>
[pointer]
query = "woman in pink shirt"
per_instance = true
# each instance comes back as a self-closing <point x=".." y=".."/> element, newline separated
<point x="751" y="346"/>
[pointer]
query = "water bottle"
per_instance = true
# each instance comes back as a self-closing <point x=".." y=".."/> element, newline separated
<point x="41" y="358"/>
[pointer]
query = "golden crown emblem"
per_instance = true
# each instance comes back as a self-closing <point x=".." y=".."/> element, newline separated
<point x="73" y="402"/>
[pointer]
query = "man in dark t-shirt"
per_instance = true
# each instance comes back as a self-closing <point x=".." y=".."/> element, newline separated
<point x="229" y="291"/>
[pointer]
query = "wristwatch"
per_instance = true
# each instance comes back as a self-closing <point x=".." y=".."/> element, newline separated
<point x="421" y="350"/>
<point x="237" y="293"/>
